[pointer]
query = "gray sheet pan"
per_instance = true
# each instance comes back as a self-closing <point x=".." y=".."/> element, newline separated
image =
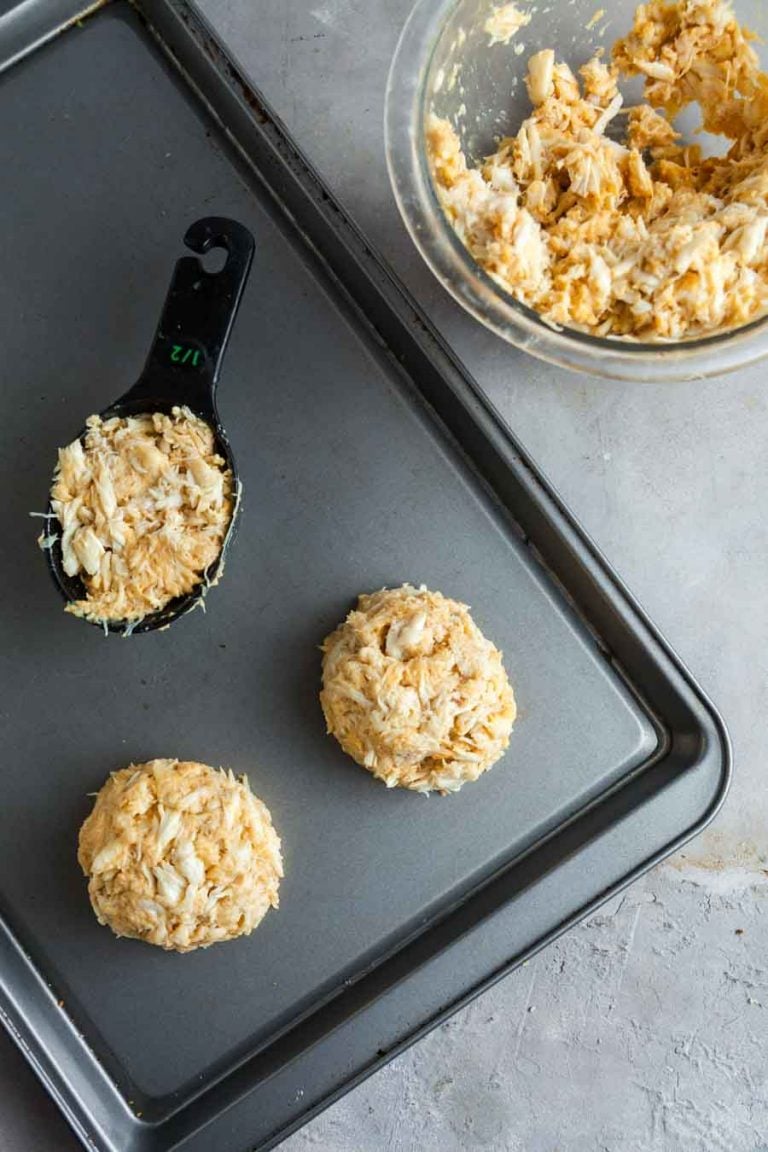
<point x="367" y="458"/>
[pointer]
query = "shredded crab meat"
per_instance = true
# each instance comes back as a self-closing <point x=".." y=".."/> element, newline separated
<point x="645" y="238"/>
<point x="504" y="22"/>
<point x="414" y="692"/>
<point x="144" y="506"/>
<point x="180" y="855"/>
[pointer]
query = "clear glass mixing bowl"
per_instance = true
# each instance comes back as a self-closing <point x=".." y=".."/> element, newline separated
<point x="444" y="63"/>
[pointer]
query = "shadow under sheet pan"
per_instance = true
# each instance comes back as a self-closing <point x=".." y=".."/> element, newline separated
<point x="368" y="458"/>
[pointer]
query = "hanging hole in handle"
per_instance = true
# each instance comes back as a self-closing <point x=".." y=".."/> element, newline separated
<point x="214" y="260"/>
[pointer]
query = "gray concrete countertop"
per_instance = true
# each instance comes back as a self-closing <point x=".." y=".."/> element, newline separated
<point x="646" y="1028"/>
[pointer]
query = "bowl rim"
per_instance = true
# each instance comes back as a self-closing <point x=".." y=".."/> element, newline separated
<point x="405" y="112"/>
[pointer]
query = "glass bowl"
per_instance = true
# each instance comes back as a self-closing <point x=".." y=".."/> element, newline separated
<point x="445" y="64"/>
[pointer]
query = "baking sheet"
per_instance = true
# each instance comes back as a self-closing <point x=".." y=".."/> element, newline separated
<point x="350" y="483"/>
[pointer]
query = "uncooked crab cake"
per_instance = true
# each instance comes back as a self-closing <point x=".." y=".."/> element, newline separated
<point x="414" y="692"/>
<point x="180" y="855"/>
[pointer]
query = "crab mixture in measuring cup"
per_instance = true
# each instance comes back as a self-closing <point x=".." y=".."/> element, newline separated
<point x="144" y="506"/>
<point x="599" y="216"/>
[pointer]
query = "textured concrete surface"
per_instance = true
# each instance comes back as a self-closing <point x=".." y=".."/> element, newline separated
<point x="645" y="1029"/>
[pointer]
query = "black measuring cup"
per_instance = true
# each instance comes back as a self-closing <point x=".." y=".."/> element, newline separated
<point x="182" y="370"/>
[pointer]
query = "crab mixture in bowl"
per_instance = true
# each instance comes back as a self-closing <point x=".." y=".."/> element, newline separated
<point x="597" y="215"/>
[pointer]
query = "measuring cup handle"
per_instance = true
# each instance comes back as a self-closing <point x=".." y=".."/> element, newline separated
<point x="198" y="314"/>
